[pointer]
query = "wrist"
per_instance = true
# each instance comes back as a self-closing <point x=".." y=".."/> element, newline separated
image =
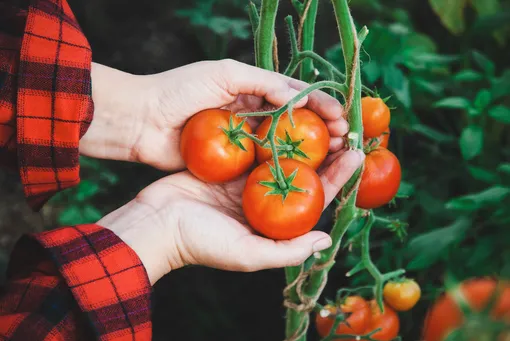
<point x="149" y="231"/>
<point x="119" y="108"/>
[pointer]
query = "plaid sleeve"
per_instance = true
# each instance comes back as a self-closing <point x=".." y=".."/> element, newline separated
<point x="75" y="283"/>
<point x="45" y="96"/>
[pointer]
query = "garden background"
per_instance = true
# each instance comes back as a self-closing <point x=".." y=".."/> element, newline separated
<point x="446" y="65"/>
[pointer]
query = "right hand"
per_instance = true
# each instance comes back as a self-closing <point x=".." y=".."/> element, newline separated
<point x="180" y="220"/>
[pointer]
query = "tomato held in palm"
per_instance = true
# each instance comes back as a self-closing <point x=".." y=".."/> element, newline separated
<point x="402" y="295"/>
<point x="357" y="312"/>
<point x="376" y="116"/>
<point x="211" y="148"/>
<point x="387" y="321"/>
<point x="380" y="141"/>
<point x="446" y="316"/>
<point x="308" y="141"/>
<point x="380" y="180"/>
<point x="283" y="214"/>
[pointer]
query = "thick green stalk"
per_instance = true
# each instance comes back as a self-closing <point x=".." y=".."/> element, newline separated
<point x="347" y="213"/>
<point x="307" y="40"/>
<point x="265" y="34"/>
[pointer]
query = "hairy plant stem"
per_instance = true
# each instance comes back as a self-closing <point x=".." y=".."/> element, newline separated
<point x="265" y="34"/>
<point x="307" y="36"/>
<point x="347" y="213"/>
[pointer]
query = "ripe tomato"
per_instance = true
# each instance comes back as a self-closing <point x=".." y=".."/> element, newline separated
<point x="376" y="116"/>
<point x="402" y="296"/>
<point x="445" y="315"/>
<point x="387" y="321"/>
<point x="275" y="217"/>
<point x="380" y="180"/>
<point x="308" y="142"/>
<point x="357" y="313"/>
<point x="383" y="140"/>
<point x="209" y="153"/>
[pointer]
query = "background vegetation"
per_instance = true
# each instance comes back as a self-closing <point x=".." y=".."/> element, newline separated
<point x="446" y="65"/>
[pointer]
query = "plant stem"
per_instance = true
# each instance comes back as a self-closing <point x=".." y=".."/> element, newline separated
<point x="254" y="20"/>
<point x="307" y="39"/>
<point x="265" y="34"/>
<point x="346" y="213"/>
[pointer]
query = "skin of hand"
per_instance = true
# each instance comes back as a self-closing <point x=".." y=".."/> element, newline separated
<point x="140" y="118"/>
<point x="180" y="220"/>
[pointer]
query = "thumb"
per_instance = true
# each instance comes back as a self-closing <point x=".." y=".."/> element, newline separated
<point x="267" y="253"/>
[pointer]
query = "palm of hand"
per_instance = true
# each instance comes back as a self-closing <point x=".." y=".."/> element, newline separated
<point x="212" y="230"/>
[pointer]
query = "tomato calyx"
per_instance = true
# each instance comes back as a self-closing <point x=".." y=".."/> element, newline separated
<point x="235" y="133"/>
<point x="289" y="147"/>
<point x="276" y="188"/>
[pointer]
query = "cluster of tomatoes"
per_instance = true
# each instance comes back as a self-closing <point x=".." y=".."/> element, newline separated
<point x="216" y="149"/>
<point x="382" y="174"/>
<point x="361" y="317"/>
<point x="445" y="316"/>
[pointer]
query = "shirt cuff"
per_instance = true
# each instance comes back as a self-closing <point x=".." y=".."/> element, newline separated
<point x="106" y="278"/>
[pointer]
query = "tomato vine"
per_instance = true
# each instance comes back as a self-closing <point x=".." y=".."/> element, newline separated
<point x="305" y="283"/>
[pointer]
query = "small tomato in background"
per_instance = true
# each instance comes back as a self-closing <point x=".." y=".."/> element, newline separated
<point x="402" y="295"/>
<point x="307" y="142"/>
<point x="357" y="313"/>
<point x="287" y="216"/>
<point x="211" y="149"/>
<point x="380" y="180"/>
<point x="388" y="321"/>
<point x="376" y="116"/>
<point x="445" y="315"/>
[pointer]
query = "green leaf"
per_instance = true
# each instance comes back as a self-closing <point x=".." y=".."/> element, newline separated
<point x="468" y="76"/>
<point x="372" y="71"/>
<point x="483" y="174"/>
<point x="500" y="113"/>
<point x="86" y="189"/>
<point x="471" y="141"/>
<point x="485" y="7"/>
<point x="405" y="190"/>
<point x="70" y="216"/>
<point x="451" y="13"/>
<point x="453" y="103"/>
<point x="483" y="99"/>
<point x="475" y="201"/>
<point x="485" y="63"/>
<point x="504" y="168"/>
<point x="426" y="249"/>
<point x="501" y="86"/>
<point x="395" y="79"/>
<point x="432" y="133"/>
<point x="91" y="214"/>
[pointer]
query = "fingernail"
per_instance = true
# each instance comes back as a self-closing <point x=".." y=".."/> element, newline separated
<point x="322" y="244"/>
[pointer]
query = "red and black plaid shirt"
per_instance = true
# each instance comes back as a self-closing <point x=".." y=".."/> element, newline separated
<point x="74" y="283"/>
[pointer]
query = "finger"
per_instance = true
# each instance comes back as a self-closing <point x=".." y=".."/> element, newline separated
<point x="265" y="253"/>
<point x="331" y="158"/>
<point x="320" y="102"/>
<point x="338" y="127"/>
<point x="336" y="144"/>
<point x="339" y="172"/>
<point x="239" y="78"/>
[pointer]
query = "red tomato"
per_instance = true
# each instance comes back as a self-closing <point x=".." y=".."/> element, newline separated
<point x="387" y="321"/>
<point x="310" y="137"/>
<point x="276" y="218"/>
<point x="380" y="180"/>
<point x="376" y="116"/>
<point x="357" y="312"/>
<point x="445" y="315"/>
<point x="209" y="153"/>
<point x="383" y="140"/>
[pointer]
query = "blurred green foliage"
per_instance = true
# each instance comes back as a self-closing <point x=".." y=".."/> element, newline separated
<point x="445" y="64"/>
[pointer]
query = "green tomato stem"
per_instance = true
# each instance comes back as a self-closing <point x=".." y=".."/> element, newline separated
<point x="307" y="71"/>
<point x="265" y="34"/>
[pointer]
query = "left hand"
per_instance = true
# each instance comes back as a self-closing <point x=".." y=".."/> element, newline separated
<point x="140" y="118"/>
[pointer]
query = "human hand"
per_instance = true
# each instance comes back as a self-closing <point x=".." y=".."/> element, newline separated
<point x="180" y="220"/>
<point x="140" y="118"/>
